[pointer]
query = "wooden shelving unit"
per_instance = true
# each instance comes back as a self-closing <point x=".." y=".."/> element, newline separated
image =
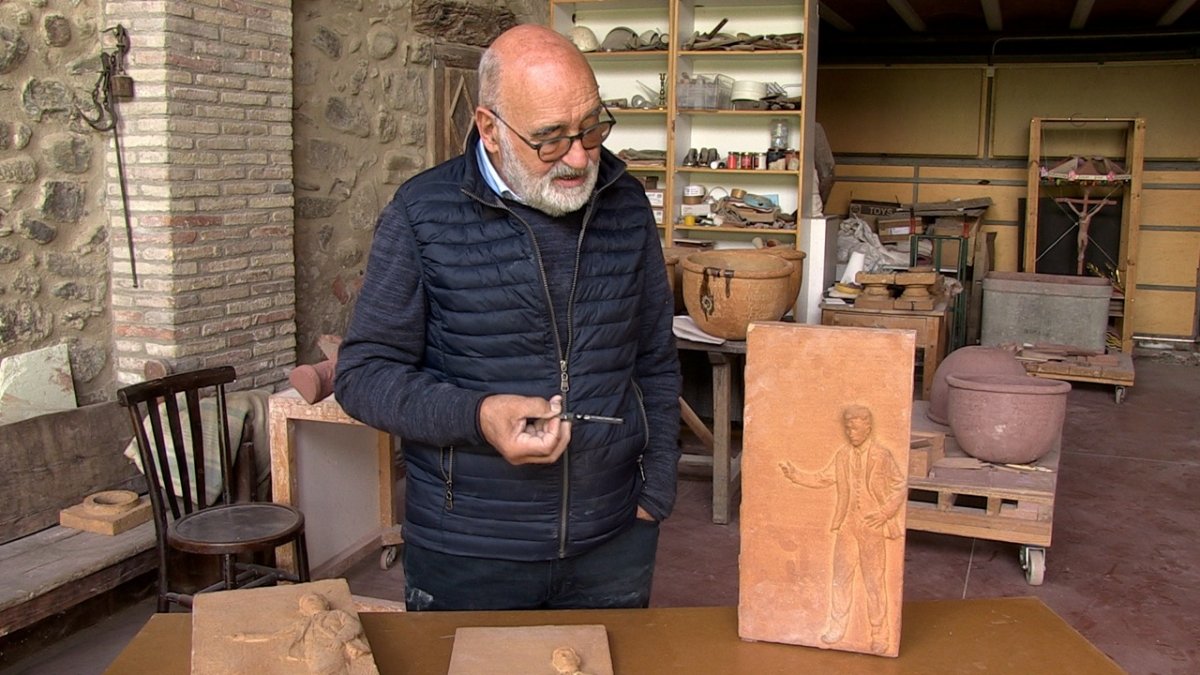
<point x="675" y="130"/>
<point x="1078" y="129"/>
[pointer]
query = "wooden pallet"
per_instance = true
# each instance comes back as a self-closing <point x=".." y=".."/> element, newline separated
<point x="993" y="502"/>
<point x="1120" y="375"/>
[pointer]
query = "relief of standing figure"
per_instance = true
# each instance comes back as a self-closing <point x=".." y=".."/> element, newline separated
<point x="870" y="491"/>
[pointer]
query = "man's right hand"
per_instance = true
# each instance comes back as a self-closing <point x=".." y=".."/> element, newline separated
<point x="525" y="429"/>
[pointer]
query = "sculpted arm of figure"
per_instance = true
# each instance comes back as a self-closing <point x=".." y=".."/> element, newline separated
<point x="381" y="378"/>
<point x="525" y="429"/>
<point x="819" y="479"/>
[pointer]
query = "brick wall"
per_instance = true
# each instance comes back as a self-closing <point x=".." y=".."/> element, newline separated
<point x="208" y="156"/>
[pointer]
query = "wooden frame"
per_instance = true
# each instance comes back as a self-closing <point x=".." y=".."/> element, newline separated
<point x="1131" y="205"/>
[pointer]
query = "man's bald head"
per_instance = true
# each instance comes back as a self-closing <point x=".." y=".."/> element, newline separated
<point x="524" y="60"/>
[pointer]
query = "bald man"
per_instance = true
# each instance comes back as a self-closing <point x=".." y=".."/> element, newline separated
<point x="514" y="330"/>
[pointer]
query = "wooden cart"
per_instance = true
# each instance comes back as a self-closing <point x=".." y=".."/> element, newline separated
<point x="994" y="502"/>
<point x="1119" y="376"/>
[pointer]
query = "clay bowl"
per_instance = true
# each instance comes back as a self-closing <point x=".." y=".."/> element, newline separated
<point x="725" y="290"/>
<point x="1007" y="418"/>
<point x="973" y="360"/>
<point x="796" y="258"/>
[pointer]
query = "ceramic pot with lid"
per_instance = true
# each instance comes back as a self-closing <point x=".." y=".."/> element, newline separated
<point x="725" y="290"/>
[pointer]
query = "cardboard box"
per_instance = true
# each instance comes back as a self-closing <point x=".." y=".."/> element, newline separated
<point x="658" y="216"/>
<point x="898" y="228"/>
<point x="655" y="196"/>
<point x="698" y="210"/>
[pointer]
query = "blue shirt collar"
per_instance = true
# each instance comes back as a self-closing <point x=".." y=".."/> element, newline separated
<point x="492" y="177"/>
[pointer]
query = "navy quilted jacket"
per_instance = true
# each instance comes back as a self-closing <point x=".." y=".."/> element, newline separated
<point x="455" y="306"/>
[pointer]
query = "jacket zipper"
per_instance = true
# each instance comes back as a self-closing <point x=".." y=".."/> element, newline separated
<point x="645" y="430"/>
<point x="564" y="378"/>
<point x="447" y="462"/>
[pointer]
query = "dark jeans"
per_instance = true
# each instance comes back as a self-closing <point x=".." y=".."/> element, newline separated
<point x="615" y="574"/>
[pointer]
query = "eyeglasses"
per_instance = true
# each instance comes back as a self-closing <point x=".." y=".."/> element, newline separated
<point x="555" y="148"/>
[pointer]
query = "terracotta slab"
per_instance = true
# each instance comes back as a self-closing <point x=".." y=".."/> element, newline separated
<point x="529" y="650"/>
<point x="280" y="630"/>
<point x="824" y="486"/>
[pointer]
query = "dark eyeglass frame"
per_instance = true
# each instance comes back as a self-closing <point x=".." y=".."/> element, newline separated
<point x="538" y="147"/>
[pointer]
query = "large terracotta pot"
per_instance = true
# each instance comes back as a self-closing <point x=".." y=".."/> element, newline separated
<point x="973" y="360"/>
<point x="1006" y="418"/>
<point x="796" y="258"/>
<point x="672" y="261"/>
<point x="680" y="252"/>
<point x="725" y="290"/>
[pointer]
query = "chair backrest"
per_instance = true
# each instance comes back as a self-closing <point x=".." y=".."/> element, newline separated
<point x="172" y="448"/>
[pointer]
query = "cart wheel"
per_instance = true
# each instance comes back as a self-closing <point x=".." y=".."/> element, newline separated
<point x="1033" y="561"/>
<point x="387" y="557"/>
<point x="1119" y="394"/>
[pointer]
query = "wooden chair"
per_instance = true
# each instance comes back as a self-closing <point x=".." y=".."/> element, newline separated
<point x="199" y="524"/>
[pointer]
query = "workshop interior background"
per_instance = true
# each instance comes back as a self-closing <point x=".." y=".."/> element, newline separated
<point x="264" y="137"/>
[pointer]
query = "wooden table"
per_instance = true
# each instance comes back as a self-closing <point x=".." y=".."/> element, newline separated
<point x="339" y="473"/>
<point x="1000" y="635"/>
<point x="724" y="463"/>
<point x="930" y="327"/>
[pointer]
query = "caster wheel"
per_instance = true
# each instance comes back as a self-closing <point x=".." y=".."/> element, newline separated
<point x="1119" y="395"/>
<point x="1033" y="561"/>
<point x="387" y="557"/>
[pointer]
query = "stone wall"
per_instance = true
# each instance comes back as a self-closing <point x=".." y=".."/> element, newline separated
<point x="230" y="96"/>
<point x="53" y="228"/>
<point x="364" y="126"/>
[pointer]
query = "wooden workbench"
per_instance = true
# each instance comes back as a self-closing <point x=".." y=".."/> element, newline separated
<point x="724" y="463"/>
<point x="996" y="635"/>
<point x="929" y="325"/>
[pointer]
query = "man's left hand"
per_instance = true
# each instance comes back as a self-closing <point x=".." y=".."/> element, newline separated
<point x="643" y="514"/>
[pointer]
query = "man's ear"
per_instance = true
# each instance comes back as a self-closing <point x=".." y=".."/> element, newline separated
<point x="489" y="131"/>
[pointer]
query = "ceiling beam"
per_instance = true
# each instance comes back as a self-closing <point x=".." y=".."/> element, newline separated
<point x="908" y="14"/>
<point x="1175" y="11"/>
<point x="1083" y="9"/>
<point x="991" y="14"/>
<point x="833" y="19"/>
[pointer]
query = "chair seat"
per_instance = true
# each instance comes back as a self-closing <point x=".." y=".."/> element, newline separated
<point x="232" y="528"/>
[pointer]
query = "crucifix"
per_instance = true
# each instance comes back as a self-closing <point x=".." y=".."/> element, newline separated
<point x="1084" y="209"/>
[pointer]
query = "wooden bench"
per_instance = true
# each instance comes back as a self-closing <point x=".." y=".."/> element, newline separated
<point x="50" y="462"/>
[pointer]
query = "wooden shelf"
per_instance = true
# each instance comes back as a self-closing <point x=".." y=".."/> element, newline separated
<point x="728" y="130"/>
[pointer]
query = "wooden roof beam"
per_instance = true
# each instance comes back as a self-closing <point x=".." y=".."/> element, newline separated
<point x="832" y="18"/>
<point x="992" y="15"/>
<point x="1083" y="9"/>
<point x="1175" y="11"/>
<point x="908" y="14"/>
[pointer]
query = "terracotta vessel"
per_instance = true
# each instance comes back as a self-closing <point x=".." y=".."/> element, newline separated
<point x="973" y="360"/>
<point x="725" y="290"/>
<point x="1006" y="418"/>
<point x="672" y="262"/>
<point x="676" y="270"/>
<point x="796" y="258"/>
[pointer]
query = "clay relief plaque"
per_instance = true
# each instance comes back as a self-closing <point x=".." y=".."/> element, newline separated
<point x="531" y="650"/>
<point x="296" y="629"/>
<point x="824" y="484"/>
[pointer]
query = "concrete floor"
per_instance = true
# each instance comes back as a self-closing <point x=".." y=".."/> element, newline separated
<point x="1121" y="569"/>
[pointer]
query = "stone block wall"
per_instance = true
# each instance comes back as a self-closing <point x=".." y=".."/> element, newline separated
<point x="252" y="189"/>
<point x="363" y="126"/>
<point x="53" y="235"/>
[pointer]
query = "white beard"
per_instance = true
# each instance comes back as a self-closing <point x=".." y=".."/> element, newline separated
<point x="539" y="192"/>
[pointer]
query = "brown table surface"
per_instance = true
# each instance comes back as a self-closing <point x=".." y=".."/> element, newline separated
<point x="999" y="635"/>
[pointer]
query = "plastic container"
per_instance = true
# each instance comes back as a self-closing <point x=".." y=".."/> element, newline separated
<point x="1020" y="307"/>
